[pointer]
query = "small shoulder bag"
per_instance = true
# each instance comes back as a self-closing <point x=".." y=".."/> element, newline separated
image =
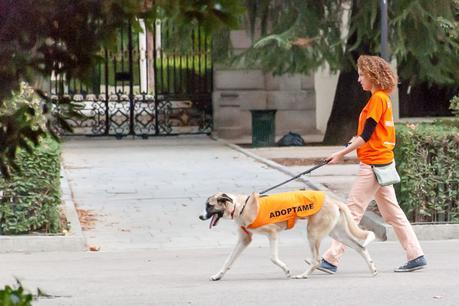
<point x="386" y="174"/>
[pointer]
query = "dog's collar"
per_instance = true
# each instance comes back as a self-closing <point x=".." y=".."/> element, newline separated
<point x="243" y="207"/>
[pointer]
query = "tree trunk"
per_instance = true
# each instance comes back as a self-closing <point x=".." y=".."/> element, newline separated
<point x="349" y="101"/>
<point x="349" y="96"/>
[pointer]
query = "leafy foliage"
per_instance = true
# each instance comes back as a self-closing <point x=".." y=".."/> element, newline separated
<point x="427" y="156"/>
<point x="298" y="36"/>
<point x="26" y="96"/>
<point x="425" y="40"/>
<point x="30" y="199"/>
<point x="36" y="39"/>
<point x="40" y="37"/>
<point x="24" y="119"/>
<point x="15" y="296"/>
<point x="454" y="105"/>
<point x="211" y="16"/>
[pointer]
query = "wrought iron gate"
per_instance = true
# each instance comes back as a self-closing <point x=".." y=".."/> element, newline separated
<point x="143" y="88"/>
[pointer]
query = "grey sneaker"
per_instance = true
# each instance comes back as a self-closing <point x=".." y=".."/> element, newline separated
<point x="413" y="265"/>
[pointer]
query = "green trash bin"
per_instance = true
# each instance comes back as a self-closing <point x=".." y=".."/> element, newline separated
<point x="263" y="127"/>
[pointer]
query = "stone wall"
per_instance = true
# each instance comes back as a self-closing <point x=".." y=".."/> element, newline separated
<point x="237" y="91"/>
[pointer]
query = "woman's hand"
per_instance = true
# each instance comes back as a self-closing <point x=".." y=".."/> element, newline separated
<point x="338" y="157"/>
<point x="335" y="158"/>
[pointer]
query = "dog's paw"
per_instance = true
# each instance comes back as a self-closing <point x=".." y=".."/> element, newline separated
<point x="216" y="277"/>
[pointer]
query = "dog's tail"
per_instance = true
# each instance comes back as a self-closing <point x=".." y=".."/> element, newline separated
<point x="364" y="237"/>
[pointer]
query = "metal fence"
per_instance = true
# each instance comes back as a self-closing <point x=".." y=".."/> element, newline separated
<point x="143" y="87"/>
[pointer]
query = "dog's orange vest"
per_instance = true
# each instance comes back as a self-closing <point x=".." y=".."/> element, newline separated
<point x="287" y="206"/>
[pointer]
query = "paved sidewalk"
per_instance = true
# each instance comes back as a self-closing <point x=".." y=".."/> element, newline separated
<point x="143" y="198"/>
<point x="148" y="194"/>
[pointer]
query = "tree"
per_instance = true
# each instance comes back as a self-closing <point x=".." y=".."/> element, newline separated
<point x="40" y="37"/>
<point x="422" y="43"/>
<point x="298" y="36"/>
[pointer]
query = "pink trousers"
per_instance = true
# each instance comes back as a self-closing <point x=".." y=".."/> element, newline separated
<point x="363" y="191"/>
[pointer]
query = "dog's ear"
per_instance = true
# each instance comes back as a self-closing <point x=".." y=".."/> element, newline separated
<point x="224" y="198"/>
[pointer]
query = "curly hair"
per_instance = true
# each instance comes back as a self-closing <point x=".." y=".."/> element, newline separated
<point x="378" y="71"/>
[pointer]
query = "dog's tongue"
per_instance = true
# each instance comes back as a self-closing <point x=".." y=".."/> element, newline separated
<point x="213" y="221"/>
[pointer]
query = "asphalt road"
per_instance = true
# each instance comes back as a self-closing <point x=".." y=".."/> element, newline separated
<point x="145" y="196"/>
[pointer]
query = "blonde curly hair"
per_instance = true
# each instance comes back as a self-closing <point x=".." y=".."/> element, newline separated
<point x="378" y="71"/>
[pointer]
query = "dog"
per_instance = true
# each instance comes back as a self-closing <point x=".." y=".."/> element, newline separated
<point x="326" y="216"/>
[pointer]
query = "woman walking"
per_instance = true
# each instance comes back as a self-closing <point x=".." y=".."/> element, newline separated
<point x="374" y="143"/>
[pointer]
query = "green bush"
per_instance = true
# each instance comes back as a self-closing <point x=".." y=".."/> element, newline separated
<point x="15" y="296"/>
<point x="454" y="105"/>
<point x="30" y="199"/>
<point x="427" y="157"/>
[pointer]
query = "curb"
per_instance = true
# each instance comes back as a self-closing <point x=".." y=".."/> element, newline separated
<point x="427" y="231"/>
<point x="73" y="241"/>
<point x="370" y="220"/>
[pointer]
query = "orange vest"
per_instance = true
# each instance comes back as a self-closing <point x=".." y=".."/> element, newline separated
<point x="287" y="206"/>
<point x="379" y="148"/>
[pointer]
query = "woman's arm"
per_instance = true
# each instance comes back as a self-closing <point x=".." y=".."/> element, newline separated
<point x="355" y="142"/>
<point x="337" y="157"/>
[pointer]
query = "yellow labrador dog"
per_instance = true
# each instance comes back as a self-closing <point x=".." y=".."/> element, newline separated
<point x="329" y="217"/>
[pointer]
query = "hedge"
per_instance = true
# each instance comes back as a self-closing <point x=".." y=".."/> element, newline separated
<point x="427" y="156"/>
<point x="30" y="199"/>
